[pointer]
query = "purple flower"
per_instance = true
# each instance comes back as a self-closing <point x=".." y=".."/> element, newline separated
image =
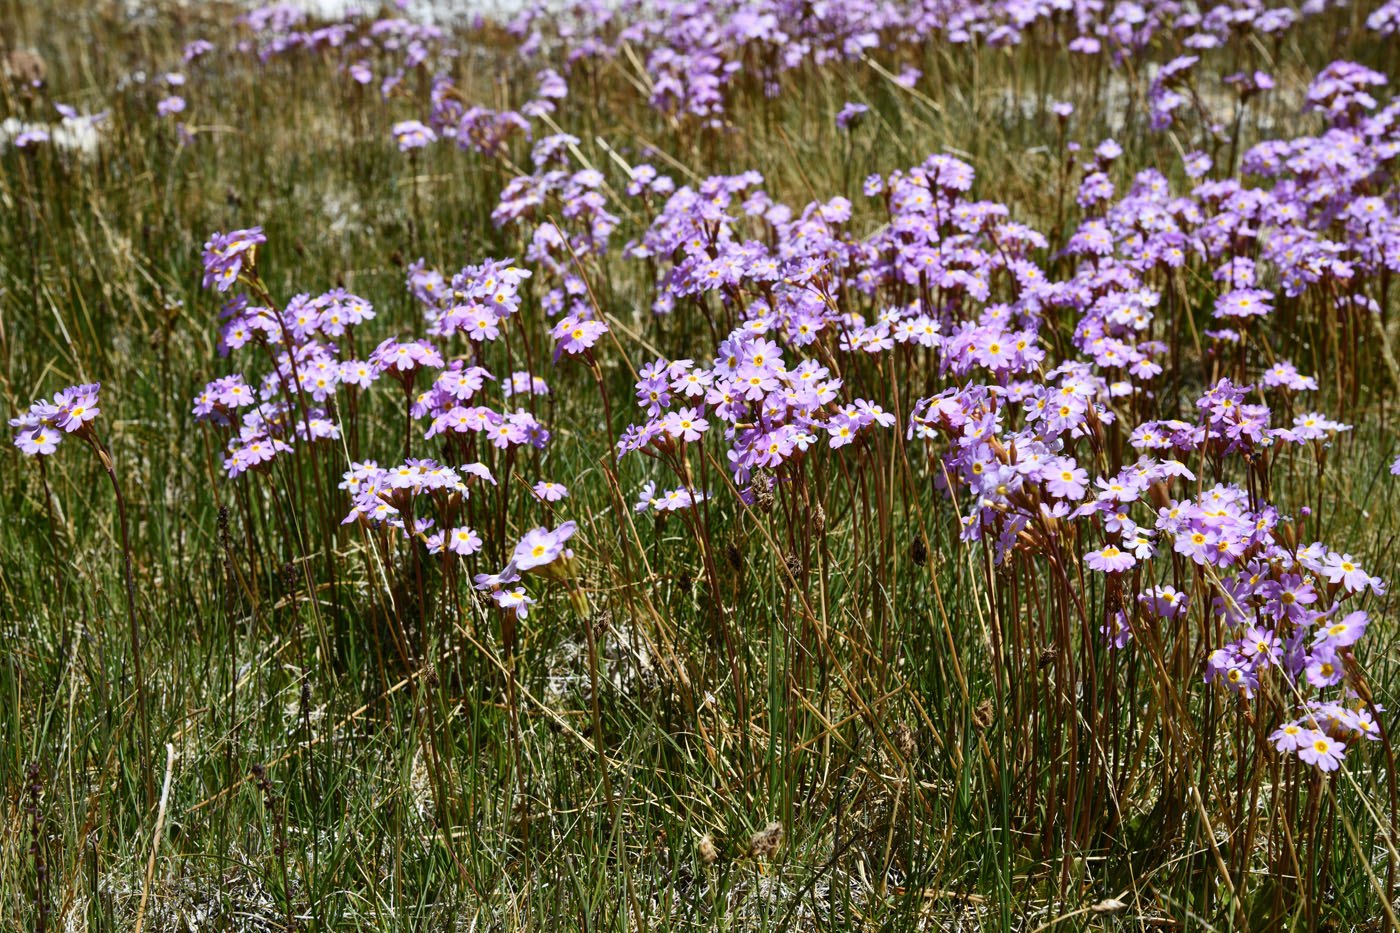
<point x="576" y="336"/>
<point x="1289" y="737"/>
<point x="850" y="114"/>
<point x="411" y="134"/>
<point x="171" y="105"/>
<point x="685" y="425"/>
<point x="550" y="492"/>
<point x="224" y="256"/>
<point x="1110" y="559"/>
<point x="514" y="599"/>
<point x="1317" y="749"/>
<point x="1243" y="303"/>
<point x="1196" y="164"/>
<point x="541" y="547"/>
<point x="77" y="406"/>
<point x="1323" y="668"/>
<point x="30" y="136"/>
<point x="463" y="541"/>
<point x="1342" y="568"/>
<point x="406" y="358"/>
<point x="1065" y="479"/>
<point x="196" y="48"/>
<point x="1343" y="632"/>
<point x="38" y="441"/>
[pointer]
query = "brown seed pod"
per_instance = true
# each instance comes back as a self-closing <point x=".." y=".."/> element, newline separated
<point x="707" y="850"/>
<point x="903" y="738"/>
<point x="767" y="841"/>
<point x="983" y="715"/>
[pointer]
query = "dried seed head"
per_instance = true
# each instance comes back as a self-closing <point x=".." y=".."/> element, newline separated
<point x="735" y="557"/>
<point x="602" y="621"/>
<point x="903" y="738"/>
<point x="818" y="519"/>
<point x="762" y="491"/>
<point x="983" y="715"/>
<point x="1047" y="657"/>
<point x="794" y="566"/>
<point x="1108" y="906"/>
<point x="766" y="842"/>
<point x="223" y="526"/>
<point x="684" y="582"/>
<point x="706" y="847"/>
<point x="918" y="551"/>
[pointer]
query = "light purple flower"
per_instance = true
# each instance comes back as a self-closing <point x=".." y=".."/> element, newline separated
<point x="541" y="546"/>
<point x="550" y="492"/>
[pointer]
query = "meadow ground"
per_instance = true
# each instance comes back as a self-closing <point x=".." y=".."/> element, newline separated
<point x="963" y="579"/>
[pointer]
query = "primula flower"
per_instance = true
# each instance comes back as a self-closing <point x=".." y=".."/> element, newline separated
<point x="850" y="114"/>
<point x="1197" y="164"/>
<point x="1323" y="667"/>
<point x="1244" y="302"/>
<point x="30" y="136"/>
<point x="1284" y="374"/>
<point x="1318" y="749"/>
<point x="77" y="406"/>
<point x="1342" y="568"/>
<point x="1289" y="737"/>
<point x="685" y="425"/>
<point x="224" y="256"/>
<point x="411" y="134"/>
<point x="673" y="500"/>
<point x="39" y="441"/>
<point x="514" y="599"/>
<point x="1345" y="631"/>
<point x="541" y="547"/>
<point x="575" y="336"/>
<point x="42" y="428"/>
<point x="463" y="541"/>
<point x="196" y="48"/>
<point x="1109" y="559"/>
<point x="550" y="492"/>
<point x="1065" y="479"/>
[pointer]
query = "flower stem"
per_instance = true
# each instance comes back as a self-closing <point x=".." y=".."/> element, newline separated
<point x="107" y="465"/>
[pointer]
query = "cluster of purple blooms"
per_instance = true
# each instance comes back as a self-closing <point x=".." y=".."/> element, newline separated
<point x="226" y="254"/>
<point x="1021" y="434"/>
<point x="40" y="430"/>
<point x="311" y="383"/>
<point x="694" y="53"/>
<point x="1017" y="437"/>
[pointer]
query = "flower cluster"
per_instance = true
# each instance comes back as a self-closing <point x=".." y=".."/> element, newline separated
<point x="40" y="430"/>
